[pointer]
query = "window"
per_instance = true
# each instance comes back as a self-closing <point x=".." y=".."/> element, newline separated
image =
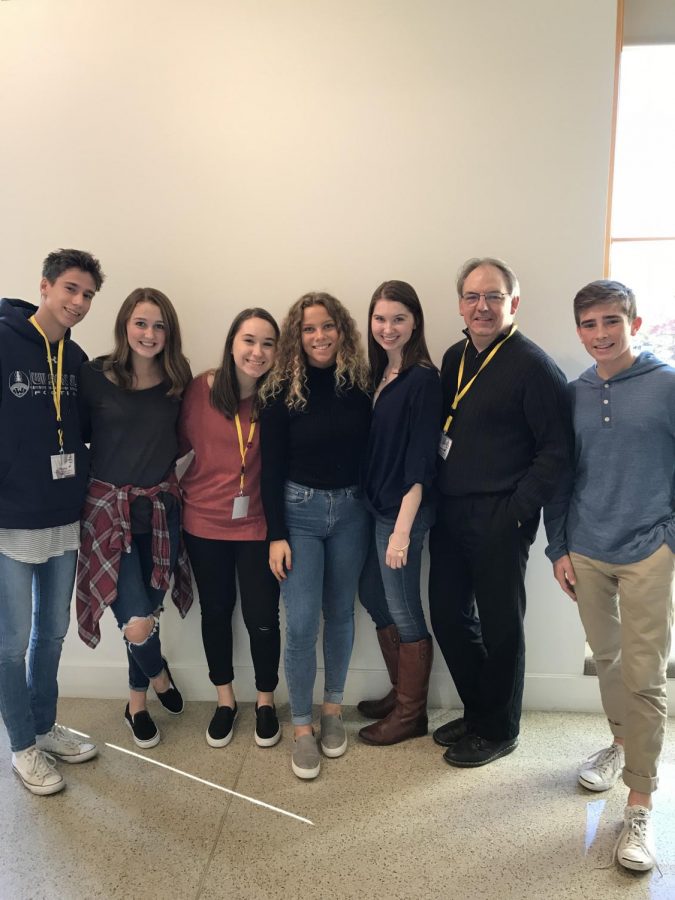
<point x="642" y="227"/>
<point x="642" y="240"/>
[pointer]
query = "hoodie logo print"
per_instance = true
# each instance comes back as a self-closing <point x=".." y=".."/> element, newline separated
<point x="19" y="384"/>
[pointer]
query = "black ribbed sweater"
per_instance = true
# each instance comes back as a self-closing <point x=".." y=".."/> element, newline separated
<point x="511" y="433"/>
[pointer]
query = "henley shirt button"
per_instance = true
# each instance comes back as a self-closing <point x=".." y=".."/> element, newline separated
<point x="605" y="401"/>
<point x="606" y="385"/>
<point x="606" y="418"/>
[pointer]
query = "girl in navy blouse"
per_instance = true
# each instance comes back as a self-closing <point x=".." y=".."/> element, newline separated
<point x="400" y="466"/>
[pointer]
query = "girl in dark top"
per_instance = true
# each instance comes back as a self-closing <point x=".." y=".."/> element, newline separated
<point x="314" y="429"/>
<point x="399" y="469"/>
<point x="130" y="401"/>
<point x="223" y="521"/>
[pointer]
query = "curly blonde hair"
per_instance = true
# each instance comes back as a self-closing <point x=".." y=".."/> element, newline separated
<point x="290" y="369"/>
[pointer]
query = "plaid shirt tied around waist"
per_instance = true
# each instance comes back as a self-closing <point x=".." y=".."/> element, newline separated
<point x="106" y="534"/>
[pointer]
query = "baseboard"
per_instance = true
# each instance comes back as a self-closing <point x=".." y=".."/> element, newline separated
<point x="571" y="693"/>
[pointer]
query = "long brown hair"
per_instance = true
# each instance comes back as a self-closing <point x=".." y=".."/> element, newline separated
<point x="415" y="352"/>
<point x="224" y="394"/>
<point x="175" y="367"/>
<point x="290" y="368"/>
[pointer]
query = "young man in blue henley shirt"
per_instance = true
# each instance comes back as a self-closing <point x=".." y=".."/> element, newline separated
<point x="612" y="543"/>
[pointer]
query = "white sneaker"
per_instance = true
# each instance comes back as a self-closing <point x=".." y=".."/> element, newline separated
<point x="635" y="846"/>
<point x="601" y="771"/>
<point x="66" y="745"/>
<point x="36" y="770"/>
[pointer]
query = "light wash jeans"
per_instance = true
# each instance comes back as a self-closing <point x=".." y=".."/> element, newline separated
<point x="392" y="596"/>
<point x="328" y="536"/>
<point x="34" y="618"/>
<point x="136" y="598"/>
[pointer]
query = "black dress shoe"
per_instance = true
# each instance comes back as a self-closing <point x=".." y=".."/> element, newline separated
<point x="472" y="751"/>
<point x="451" y="732"/>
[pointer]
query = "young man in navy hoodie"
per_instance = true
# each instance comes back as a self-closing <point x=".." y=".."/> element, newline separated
<point x="43" y="474"/>
<point x="612" y="545"/>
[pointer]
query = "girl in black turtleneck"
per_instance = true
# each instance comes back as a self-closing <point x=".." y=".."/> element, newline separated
<point x="314" y="429"/>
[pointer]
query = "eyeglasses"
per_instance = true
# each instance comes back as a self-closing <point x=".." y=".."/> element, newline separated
<point x="491" y="297"/>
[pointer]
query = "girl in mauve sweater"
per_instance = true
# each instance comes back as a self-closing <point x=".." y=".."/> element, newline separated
<point x="224" y="525"/>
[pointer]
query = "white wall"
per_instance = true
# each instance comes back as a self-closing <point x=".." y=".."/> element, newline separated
<point x="239" y="152"/>
<point x="649" y="22"/>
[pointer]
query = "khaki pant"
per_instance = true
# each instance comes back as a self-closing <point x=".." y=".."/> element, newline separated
<point x="627" y="612"/>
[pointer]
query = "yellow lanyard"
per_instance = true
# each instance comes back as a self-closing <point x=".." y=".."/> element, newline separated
<point x="243" y="450"/>
<point x="56" y="382"/>
<point x="460" y="394"/>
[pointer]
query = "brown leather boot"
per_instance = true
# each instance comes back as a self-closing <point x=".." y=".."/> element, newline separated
<point x="389" y="641"/>
<point x="409" y="717"/>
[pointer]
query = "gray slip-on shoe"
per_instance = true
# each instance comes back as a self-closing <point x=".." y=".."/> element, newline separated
<point x="305" y="759"/>
<point x="333" y="736"/>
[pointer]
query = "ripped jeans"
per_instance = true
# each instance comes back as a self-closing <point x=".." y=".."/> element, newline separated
<point x="136" y="599"/>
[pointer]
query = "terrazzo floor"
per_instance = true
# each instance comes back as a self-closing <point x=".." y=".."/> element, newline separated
<point x="391" y="822"/>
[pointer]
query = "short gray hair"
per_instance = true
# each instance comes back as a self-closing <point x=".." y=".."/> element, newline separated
<point x="476" y="262"/>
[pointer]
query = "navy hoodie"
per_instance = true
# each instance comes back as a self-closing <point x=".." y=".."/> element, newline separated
<point x="29" y="496"/>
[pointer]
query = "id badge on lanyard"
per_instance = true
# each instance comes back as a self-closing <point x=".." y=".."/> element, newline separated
<point x="241" y="501"/>
<point x="445" y="442"/>
<point x="444" y="445"/>
<point x="63" y="464"/>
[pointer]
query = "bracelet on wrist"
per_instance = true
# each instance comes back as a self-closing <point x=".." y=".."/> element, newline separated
<point x="398" y="549"/>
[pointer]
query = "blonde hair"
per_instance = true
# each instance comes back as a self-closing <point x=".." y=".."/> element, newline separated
<point x="290" y="369"/>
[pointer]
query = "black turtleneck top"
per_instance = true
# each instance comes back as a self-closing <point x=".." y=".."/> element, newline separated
<point x="321" y="446"/>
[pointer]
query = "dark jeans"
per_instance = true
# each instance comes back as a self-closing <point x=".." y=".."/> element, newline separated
<point x="371" y="587"/>
<point x="136" y="598"/>
<point x="214" y="564"/>
<point x="477" y="604"/>
<point x="392" y="596"/>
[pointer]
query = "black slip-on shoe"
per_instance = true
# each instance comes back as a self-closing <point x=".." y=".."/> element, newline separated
<point x="221" y="727"/>
<point x="171" y="699"/>
<point x="144" y="730"/>
<point x="267" y="727"/>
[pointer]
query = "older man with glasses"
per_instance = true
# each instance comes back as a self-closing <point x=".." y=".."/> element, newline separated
<point x="506" y="439"/>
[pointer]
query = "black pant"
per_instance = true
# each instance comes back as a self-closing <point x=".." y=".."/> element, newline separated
<point x="214" y="563"/>
<point x="477" y="603"/>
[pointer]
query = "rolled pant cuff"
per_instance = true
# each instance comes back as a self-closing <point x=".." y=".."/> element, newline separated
<point x="642" y="783"/>
<point x="333" y="697"/>
<point x="267" y="688"/>
<point x="24" y="746"/>
<point x="616" y="729"/>
<point x="43" y="730"/>
<point x="302" y="720"/>
<point x="220" y="679"/>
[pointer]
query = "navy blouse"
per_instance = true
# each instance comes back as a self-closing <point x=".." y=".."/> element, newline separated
<point x="403" y="440"/>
